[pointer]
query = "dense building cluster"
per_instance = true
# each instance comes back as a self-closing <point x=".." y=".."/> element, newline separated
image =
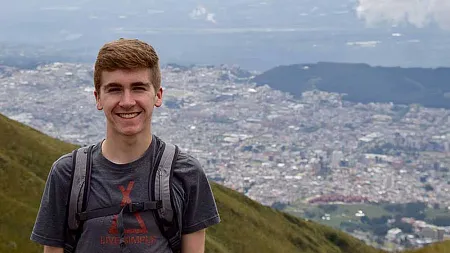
<point x="260" y="141"/>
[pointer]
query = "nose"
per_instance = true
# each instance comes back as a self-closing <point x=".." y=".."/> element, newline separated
<point x="127" y="100"/>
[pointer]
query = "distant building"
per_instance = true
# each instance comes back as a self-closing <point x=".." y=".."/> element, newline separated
<point x="336" y="158"/>
<point x="433" y="233"/>
<point x="393" y="234"/>
<point x="360" y="214"/>
<point x="440" y="234"/>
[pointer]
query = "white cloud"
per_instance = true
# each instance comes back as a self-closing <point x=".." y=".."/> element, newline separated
<point x="416" y="12"/>
<point x="210" y="17"/>
<point x="60" y="8"/>
<point x="198" y="12"/>
<point x="201" y="12"/>
<point x="364" y="43"/>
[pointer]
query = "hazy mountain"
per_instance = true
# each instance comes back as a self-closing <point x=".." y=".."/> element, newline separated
<point x="363" y="83"/>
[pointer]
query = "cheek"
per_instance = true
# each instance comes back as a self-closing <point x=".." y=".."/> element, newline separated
<point x="145" y="100"/>
<point x="109" y="102"/>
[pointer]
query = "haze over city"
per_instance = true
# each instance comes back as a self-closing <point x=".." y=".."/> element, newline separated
<point x="280" y="135"/>
<point x="256" y="35"/>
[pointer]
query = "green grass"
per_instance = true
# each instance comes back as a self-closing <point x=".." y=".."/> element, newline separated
<point x="344" y="212"/>
<point x="250" y="227"/>
<point x="26" y="156"/>
<point x="442" y="247"/>
<point x="433" y="213"/>
<point x="369" y="210"/>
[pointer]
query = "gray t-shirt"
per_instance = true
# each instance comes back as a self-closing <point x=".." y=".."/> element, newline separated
<point x="114" y="184"/>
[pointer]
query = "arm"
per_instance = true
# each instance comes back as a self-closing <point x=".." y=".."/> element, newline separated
<point x="48" y="249"/>
<point x="192" y="243"/>
<point x="199" y="207"/>
<point x="50" y="221"/>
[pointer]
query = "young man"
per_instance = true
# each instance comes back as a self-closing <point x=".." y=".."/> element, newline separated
<point x="127" y="88"/>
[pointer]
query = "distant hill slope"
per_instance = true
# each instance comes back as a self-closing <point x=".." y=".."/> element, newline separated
<point x="27" y="155"/>
<point x="364" y="83"/>
<point x="434" y="248"/>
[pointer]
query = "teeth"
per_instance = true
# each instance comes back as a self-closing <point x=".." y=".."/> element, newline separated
<point x="128" y="115"/>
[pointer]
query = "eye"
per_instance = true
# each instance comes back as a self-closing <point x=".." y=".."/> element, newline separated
<point x="140" y="88"/>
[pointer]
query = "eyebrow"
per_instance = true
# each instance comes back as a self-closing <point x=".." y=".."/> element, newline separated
<point x="111" y="85"/>
<point x="117" y="85"/>
<point x="140" y="84"/>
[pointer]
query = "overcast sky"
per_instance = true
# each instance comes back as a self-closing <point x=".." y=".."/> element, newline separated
<point x="416" y="12"/>
<point x="242" y="31"/>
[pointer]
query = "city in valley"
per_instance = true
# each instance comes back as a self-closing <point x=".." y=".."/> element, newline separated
<point x="273" y="147"/>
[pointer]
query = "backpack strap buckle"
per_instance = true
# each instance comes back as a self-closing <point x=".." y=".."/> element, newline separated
<point x="144" y="206"/>
<point x="159" y="204"/>
<point x="135" y="207"/>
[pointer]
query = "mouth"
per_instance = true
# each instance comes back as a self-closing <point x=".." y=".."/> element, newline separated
<point x="128" y="115"/>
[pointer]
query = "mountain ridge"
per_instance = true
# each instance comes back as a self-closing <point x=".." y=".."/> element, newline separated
<point x="363" y="83"/>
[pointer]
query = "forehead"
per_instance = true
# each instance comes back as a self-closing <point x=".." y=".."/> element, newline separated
<point x="126" y="77"/>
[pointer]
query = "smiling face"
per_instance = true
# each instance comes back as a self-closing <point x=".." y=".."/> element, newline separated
<point x="127" y="98"/>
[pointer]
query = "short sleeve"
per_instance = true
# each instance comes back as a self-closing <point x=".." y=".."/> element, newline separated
<point x="51" y="218"/>
<point x="200" y="209"/>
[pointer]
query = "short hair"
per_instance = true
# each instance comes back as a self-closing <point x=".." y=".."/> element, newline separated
<point x="127" y="54"/>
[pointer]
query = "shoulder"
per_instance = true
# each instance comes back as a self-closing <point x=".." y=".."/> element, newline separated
<point x="186" y="169"/>
<point x="62" y="167"/>
<point x="184" y="163"/>
<point x="187" y="164"/>
<point x="199" y="207"/>
<point x="189" y="174"/>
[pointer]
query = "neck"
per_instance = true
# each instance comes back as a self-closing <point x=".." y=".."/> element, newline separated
<point x="125" y="149"/>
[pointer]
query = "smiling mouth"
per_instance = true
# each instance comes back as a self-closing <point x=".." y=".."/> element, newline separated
<point x="128" y="115"/>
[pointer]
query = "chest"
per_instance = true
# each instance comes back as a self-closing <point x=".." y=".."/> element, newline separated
<point x="113" y="188"/>
<point x="141" y="231"/>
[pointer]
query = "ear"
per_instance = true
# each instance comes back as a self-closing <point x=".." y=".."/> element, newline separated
<point x="97" y="101"/>
<point x="159" y="96"/>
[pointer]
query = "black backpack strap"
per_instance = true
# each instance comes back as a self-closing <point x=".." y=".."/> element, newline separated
<point x="120" y="210"/>
<point x="162" y="196"/>
<point x="113" y="210"/>
<point x="81" y="176"/>
<point x="167" y="215"/>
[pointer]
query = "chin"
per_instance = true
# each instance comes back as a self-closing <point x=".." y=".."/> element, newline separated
<point x="130" y="132"/>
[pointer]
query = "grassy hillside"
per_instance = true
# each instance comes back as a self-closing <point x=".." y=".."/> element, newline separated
<point x="25" y="158"/>
<point x="442" y="247"/>
<point x="27" y="155"/>
<point x="364" y="83"/>
<point x="250" y="227"/>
